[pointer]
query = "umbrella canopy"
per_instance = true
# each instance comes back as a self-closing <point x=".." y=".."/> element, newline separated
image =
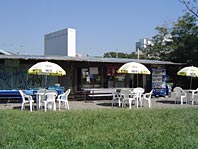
<point x="189" y="71"/>
<point x="133" y="68"/>
<point x="46" y="68"/>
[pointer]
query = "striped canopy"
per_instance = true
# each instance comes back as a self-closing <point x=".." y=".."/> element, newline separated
<point x="133" y="68"/>
<point x="189" y="71"/>
<point x="46" y="68"/>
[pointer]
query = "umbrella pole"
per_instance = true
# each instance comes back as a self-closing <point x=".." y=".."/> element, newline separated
<point x="45" y="81"/>
<point x="132" y="80"/>
<point x="27" y="84"/>
<point x="190" y="82"/>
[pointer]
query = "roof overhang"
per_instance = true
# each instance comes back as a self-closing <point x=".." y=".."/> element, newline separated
<point x="87" y="59"/>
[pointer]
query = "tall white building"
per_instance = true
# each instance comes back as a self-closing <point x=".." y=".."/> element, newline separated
<point x="143" y="44"/>
<point x="62" y="42"/>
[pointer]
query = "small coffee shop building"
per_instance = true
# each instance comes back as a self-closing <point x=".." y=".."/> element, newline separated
<point x="81" y="73"/>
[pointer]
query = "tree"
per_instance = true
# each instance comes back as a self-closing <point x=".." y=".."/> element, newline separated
<point x="178" y="43"/>
<point x="119" y="55"/>
<point x="185" y="37"/>
<point x="191" y="6"/>
<point x="162" y="44"/>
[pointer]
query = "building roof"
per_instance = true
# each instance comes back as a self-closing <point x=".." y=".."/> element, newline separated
<point x="87" y="59"/>
<point x="3" y="52"/>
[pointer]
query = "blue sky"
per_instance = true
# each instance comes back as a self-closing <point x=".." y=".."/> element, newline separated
<point x="101" y="25"/>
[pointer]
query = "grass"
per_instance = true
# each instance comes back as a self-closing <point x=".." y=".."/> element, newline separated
<point x="107" y="128"/>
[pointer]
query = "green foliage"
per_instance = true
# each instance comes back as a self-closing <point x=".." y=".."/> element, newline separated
<point x="185" y="33"/>
<point x="117" y="55"/>
<point x="122" y="55"/>
<point x="178" y="43"/>
<point x="181" y="44"/>
<point x="161" y="48"/>
<point x="112" y="128"/>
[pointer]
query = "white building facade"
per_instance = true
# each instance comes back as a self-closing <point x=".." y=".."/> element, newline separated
<point x="61" y="43"/>
<point x="143" y="44"/>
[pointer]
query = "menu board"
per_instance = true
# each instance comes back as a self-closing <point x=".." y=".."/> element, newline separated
<point x="159" y="82"/>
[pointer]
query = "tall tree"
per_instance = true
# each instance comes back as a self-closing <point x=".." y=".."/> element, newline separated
<point x="185" y="37"/>
<point x="178" y="43"/>
<point x="162" y="44"/>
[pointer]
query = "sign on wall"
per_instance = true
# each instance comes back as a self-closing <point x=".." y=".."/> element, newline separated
<point x="93" y="70"/>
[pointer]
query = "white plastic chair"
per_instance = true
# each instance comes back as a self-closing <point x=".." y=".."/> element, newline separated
<point x="64" y="99"/>
<point x="116" y="97"/>
<point x="40" y="97"/>
<point x="26" y="99"/>
<point x="194" y="95"/>
<point x="127" y="95"/>
<point x="147" y="96"/>
<point x="138" y="92"/>
<point x="50" y="99"/>
<point x="180" y="94"/>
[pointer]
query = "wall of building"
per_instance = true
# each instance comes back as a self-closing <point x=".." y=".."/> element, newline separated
<point x="79" y="74"/>
<point x="13" y="75"/>
<point x="71" y="42"/>
<point x="62" y="42"/>
<point x="143" y="44"/>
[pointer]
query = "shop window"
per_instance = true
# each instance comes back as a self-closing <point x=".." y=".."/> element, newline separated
<point x="90" y="77"/>
<point x="115" y="79"/>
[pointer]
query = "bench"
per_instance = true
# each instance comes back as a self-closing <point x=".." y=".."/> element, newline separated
<point x="10" y="95"/>
<point x="14" y="95"/>
<point x="100" y="92"/>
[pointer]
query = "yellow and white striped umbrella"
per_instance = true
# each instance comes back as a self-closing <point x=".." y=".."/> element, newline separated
<point x="46" y="68"/>
<point x="189" y="71"/>
<point x="133" y="68"/>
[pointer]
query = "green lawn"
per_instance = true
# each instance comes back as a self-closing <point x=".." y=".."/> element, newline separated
<point x="109" y="128"/>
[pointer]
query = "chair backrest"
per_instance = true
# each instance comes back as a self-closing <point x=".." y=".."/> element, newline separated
<point x="149" y="94"/>
<point x="195" y="93"/>
<point x="22" y="95"/>
<point x="138" y="92"/>
<point x="116" y="93"/>
<point x="125" y="93"/>
<point x="41" y="91"/>
<point x="117" y="90"/>
<point x="178" y="91"/>
<point x="51" y="91"/>
<point x="51" y="96"/>
<point x="66" y="94"/>
<point x="42" y="95"/>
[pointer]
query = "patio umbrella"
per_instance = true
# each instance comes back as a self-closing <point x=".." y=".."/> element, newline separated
<point x="133" y="68"/>
<point x="189" y="71"/>
<point x="46" y="69"/>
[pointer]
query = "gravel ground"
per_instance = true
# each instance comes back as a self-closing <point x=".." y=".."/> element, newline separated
<point x="159" y="102"/>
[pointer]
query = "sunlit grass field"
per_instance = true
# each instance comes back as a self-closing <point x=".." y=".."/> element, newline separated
<point x="107" y="128"/>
